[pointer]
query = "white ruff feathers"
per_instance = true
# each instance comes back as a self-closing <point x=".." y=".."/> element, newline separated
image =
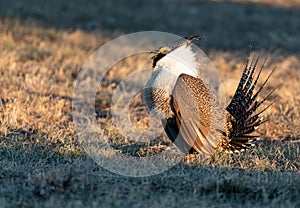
<point x="180" y="61"/>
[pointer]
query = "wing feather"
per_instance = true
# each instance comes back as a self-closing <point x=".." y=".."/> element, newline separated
<point x="190" y="125"/>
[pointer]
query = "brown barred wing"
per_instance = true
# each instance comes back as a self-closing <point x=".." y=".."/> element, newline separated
<point x="190" y="126"/>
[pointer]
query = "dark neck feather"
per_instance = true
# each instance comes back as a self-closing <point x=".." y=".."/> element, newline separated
<point x="156" y="58"/>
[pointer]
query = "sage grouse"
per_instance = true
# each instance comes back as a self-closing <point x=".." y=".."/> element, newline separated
<point x="190" y="113"/>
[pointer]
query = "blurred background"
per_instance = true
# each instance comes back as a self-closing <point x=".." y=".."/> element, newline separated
<point x="43" y="46"/>
<point x="225" y="25"/>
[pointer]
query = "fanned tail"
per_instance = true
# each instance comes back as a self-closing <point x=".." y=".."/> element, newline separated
<point x="243" y="118"/>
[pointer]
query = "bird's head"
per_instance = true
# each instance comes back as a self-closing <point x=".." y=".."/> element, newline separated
<point x="163" y="51"/>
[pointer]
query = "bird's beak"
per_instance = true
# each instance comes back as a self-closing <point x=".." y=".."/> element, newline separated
<point x="154" y="52"/>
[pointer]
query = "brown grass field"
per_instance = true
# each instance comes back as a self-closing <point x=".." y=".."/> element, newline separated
<point x="44" y="44"/>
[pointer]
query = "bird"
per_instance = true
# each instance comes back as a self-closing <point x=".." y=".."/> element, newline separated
<point x="190" y="112"/>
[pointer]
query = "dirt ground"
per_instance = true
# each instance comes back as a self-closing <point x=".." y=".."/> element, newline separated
<point x="43" y="46"/>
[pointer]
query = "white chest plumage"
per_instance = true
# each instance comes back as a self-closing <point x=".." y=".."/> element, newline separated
<point x="165" y="75"/>
<point x="170" y="67"/>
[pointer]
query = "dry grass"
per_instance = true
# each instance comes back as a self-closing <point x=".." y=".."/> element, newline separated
<point x="43" y="48"/>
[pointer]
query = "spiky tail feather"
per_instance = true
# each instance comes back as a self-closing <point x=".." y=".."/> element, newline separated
<point x="243" y="118"/>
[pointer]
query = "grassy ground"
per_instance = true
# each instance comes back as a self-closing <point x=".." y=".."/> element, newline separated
<point x="43" y="46"/>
